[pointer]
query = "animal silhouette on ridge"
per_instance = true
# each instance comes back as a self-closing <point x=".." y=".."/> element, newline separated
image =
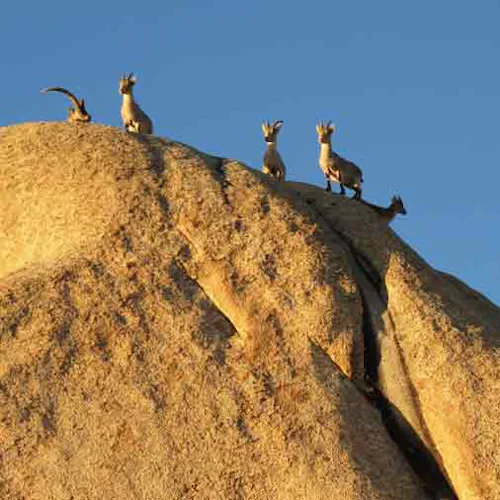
<point x="133" y="118"/>
<point x="273" y="164"/>
<point x="76" y="114"/>
<point x="336" y="168"/>
<point x="388" y="213"/>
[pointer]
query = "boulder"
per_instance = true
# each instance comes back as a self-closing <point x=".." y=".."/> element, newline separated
<point x="177" y="325"/>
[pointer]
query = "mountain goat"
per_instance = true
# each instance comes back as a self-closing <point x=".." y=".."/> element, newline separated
<point x="273" y="164"/>
<point x="134" y="119"/>
<point x="336" y="168"/>
<point x="76" y="114"/>
<point x="388" y="213"/>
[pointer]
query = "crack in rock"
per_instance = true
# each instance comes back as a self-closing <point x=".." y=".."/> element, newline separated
<point x="378" y="326"/>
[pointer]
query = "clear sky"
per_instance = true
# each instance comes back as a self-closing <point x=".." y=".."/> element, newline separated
<point x="414" y="88"/>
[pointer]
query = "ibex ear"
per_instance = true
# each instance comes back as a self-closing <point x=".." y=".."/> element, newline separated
<point x="132" y="78"/>
<point x="264" y="127"/>
<point x="277" y="124"/>
<point x="82" y="102"/>
<point x="331" y="127"/>
<point x="318" y="128"/>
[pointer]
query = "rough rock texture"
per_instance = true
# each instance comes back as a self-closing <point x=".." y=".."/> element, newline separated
<point x="175" y="325"/>
<point x="438" y="344"/>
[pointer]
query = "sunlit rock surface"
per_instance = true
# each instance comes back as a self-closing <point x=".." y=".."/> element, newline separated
<point x="175" y="325"/>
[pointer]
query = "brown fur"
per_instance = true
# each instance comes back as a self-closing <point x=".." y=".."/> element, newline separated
<point x="336" y="168"/>
<point x="273" y="164"/>
<point x="388" y="213"/>
<point x="76" y="114"/>
<point x="134" y="119"/>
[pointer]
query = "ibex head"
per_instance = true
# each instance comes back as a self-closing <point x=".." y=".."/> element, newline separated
<point x="325" y="131"/>
<point x="271" y="131"/>
<point x="126" y="83"/>
<point x="78" y="112"/>
<point x="397" y="205"/>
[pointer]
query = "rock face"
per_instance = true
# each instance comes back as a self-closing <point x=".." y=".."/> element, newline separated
<point x="175" y="325"/>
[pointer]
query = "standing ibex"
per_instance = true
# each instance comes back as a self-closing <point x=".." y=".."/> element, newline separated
<point x="336" y="168"/>
<point x="76" y="114"/>
<point x="387" y="214"/>
<point x="273" y="164"/>
<point x="134" y="119"/>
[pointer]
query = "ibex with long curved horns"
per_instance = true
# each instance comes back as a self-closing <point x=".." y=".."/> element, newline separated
<point x="134" y="119"/>
<point x="76" y="114"/>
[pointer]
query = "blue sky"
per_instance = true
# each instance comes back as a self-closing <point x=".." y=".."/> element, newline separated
<point x="414" y="88"/>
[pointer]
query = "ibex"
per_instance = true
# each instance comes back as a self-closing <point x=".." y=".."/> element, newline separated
<point x="76" y="114"/>
<point x="387" y="214"/>
<point x="336" y="168"/>
<point x="273" y="164"/>
<point x="134" y="119"/>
